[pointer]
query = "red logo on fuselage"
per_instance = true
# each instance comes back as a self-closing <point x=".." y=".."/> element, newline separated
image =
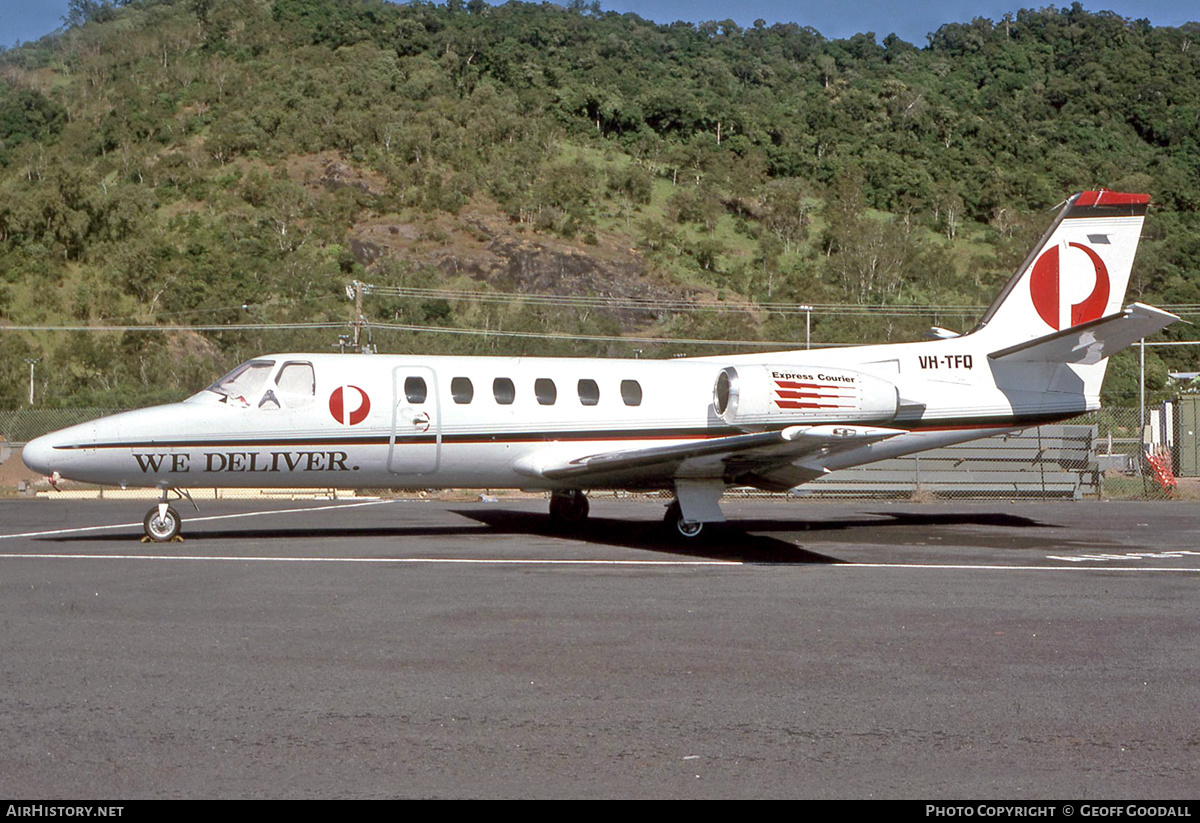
<point x="342" y="411"/>
<point x="1046" y="289"/>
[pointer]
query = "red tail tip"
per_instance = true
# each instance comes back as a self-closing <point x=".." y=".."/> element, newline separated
<point x="1104" y="197"/>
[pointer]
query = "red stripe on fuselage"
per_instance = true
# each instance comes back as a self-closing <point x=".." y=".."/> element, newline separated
<point x="789" y="384"/>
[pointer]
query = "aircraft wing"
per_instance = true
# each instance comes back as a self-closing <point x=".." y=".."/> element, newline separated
<point x="1091" y="342"/>
<point x="726" y="458"/>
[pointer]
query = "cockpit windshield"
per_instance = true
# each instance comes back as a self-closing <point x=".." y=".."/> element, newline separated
<point x="243" y="383"/>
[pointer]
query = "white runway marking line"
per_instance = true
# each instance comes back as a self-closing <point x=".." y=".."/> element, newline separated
<point x="458" y="561"/>
<point x="138" y="525"/>
<point x="1104" y="558"/>
<point x="998" y="568"/>
<point x="536" y="562"/>
<point x="499" y="561"/>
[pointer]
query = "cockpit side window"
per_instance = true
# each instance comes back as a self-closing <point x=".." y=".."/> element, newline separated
<point x="242" y="385"/>
<point x="297" y="379"/>
<point x="295" y="386"/>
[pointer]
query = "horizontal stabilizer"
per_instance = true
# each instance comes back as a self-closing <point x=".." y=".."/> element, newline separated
<point x="1090" y="343"/>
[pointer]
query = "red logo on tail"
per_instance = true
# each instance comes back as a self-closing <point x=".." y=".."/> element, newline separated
<point x="341" y="412"/>
<point x="1045" y="289"/>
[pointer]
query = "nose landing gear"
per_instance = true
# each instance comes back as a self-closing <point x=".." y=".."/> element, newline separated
<point x="162" y="524"/>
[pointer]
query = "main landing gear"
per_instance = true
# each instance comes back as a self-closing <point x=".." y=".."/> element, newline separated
<point x="568" y="507"/>
<point x="673" y="519"/>
<point x="162" y="523"/>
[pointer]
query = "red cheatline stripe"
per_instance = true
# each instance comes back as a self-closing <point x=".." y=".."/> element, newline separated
<point x="809" y="394"/>
<point x="792" y="404"/>
<point x="787" y="384"/>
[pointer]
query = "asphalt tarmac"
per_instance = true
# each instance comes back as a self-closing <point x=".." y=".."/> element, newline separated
<point x="466" y="649"/>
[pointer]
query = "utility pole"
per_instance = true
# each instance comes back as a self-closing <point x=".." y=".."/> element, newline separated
<point x="358" y="316"/>
<point x="354" y="341"/>
<point x="807" y="325"/>
<point x="31" y="361"/>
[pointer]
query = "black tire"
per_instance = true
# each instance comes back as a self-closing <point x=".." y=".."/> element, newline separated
<point x="687" y="529"/>
<point x="569" y="508"/>
<point x="162" y="529"/>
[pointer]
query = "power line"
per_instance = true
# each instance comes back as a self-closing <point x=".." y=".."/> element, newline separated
<point x="602" y="338"/>
<point x="657" y="304"/>
<point x="177" y="328"/>
<point x="474" y="332"/>
<point x="595" y="338"/>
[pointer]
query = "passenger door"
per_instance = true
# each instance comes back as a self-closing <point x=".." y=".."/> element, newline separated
<point x="416" y="440"/>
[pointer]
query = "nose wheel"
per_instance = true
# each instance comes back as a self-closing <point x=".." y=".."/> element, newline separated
<point x="162" y="524"/>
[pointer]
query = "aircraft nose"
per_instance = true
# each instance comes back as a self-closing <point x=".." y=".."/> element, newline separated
<point x="38" y="454"/>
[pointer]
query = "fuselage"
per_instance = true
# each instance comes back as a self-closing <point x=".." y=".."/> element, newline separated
<point x="358" y="421"/>
<point x="693" y="425"/>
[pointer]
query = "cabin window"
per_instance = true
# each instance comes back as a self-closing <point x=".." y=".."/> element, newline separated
<point x="631" y="392"/>
<point x="461" y="390"/>
<point x="546" y="393"/>
<point x="415" y="390"/>
<point x="589" y="392"/>
<point x="504" y="391"/>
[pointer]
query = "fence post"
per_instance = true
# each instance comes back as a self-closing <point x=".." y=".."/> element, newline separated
<point x="1141" y="402"/>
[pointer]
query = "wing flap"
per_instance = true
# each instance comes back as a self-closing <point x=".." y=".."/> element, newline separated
<point x="713" y="458"/>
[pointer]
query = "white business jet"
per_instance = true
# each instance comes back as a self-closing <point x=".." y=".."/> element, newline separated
<point x="694" y="426"/>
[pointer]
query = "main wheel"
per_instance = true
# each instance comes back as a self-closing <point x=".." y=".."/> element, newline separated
<point x="687" y="529"/>
<point x="162" y="528"/>
<point x="569" y="507"/>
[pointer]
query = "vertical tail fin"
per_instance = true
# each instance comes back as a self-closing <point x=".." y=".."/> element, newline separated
<point x="1078" y="273"/>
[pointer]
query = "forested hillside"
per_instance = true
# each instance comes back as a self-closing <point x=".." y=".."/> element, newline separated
<point x="223" y="163"/>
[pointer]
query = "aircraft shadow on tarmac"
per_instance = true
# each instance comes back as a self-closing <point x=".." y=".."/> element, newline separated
<point x="722" y="542"/>
<point x="742" y="541"/>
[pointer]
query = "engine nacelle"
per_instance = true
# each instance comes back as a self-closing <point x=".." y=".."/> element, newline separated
<point x="749" y="396"/>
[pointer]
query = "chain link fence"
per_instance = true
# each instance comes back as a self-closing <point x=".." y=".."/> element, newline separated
<point x="22" y="425"/>
<point x="1098" y="455"/>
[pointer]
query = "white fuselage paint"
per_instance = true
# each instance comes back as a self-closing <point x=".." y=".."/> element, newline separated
<point x="693" y="425"/>
<point x="946" y="394"/>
